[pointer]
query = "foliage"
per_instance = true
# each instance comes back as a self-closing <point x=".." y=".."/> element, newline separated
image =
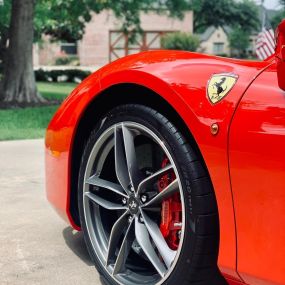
<point x="224" y="13"/>
<point x="239" y="40"/>
<point x="66" y="19"/>
<point x="246" y="16"/>
<point x="28" y="123"/>
<point x="63" y="75"/>
<point x="5" y="11"/>
<point x="208" y="13"/>
<point x="282" y="3"/>
<point x="275" y="21"/>
<point x="280" y="15"/>
<point x="71" y="60"/>
<point x="180" y="41"/>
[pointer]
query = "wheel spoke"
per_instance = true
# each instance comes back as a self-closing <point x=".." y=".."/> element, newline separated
<point x="149" y="181"/>
<point x="116" y="233"/>
<point x="131" y="158"/>
<point x="143" y="239"/>
<point x="116" y="188"/>
<point x="120" y="160"/>
<point x="172" y="188"/>
<point x="166" y="253"/>
<point x="103" y="203"/>
<point x="124" y="251"/>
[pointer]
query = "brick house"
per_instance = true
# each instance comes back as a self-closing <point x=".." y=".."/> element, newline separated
<point x="215" y="41"/>
<point x="104" y="42"/>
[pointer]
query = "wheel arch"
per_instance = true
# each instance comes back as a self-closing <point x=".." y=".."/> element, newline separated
<point x="109" y="98"/>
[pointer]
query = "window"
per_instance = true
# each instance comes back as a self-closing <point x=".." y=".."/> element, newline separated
<point x="69" y="48"/>
<point x="218" y="48"/>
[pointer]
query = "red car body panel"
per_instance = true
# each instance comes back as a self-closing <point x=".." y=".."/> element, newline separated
<point x="257" y="160"/>
<point x="181" y="79"/>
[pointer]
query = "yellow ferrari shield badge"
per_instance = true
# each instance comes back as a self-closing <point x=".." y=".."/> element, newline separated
<point x="220" y="85"/>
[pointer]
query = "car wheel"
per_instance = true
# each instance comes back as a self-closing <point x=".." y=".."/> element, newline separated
<point x="147" y="207"/>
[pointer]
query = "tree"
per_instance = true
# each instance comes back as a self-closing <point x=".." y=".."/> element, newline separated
<point x="280" y="15"/>
<point x="224" y="13"/>
<point x="246" y="16"/>
<point x="275" y="21"/>
<point x="211" y="13"/>
<point x="66" y="19"/>
<point x="18" y="76"/>
<point x="62" y="19"/>
<point x="180" y="41"/>
<point x="282" y="3"/>
<point x="239" y="42"/>
<point x="4" y="28"/>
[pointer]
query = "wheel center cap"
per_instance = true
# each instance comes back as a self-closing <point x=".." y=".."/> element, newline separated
<point x="133" y="205"/>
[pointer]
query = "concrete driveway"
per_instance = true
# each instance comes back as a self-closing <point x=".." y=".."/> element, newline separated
<point x="36" y="246"/>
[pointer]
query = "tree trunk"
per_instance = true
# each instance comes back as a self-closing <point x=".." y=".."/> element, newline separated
<point x="19" y="84"/>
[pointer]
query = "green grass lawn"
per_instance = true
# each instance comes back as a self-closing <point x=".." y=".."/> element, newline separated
<point x="55" y="91"/>
<point x="29" y="123"/>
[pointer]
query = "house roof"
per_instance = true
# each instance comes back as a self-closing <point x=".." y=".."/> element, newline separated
<point x="210" y="30"/>
<point x="207" y="33"/>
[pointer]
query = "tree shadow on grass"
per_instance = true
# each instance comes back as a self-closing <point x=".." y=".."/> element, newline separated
<point x="75" y="241"/>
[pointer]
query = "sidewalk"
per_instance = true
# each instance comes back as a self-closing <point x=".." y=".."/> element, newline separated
<point x="36" y="246"/>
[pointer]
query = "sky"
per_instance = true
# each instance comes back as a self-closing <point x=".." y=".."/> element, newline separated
<point x="270" y="4"/>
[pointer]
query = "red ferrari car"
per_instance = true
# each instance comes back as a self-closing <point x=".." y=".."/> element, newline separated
<point x="173" y="166"/>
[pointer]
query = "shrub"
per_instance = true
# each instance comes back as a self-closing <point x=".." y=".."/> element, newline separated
<point x="223" y="55"/>
<point x="180" y="41"/>
<point x="41" y="75"/>
<point x="239" y="42"/>
<point x="62" y="75"/>
<point x="67" y="60"/>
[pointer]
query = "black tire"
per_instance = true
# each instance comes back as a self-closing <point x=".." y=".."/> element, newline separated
<point x="197" y="263"/>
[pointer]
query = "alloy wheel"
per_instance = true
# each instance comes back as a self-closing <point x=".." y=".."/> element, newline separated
<point x="130" y="183"/>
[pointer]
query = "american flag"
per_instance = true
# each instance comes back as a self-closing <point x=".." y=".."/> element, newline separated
<point x="265" y="43"/>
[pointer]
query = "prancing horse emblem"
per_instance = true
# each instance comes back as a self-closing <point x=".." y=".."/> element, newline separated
<point x="220" y="85"/>
<point x="133" y="204"/>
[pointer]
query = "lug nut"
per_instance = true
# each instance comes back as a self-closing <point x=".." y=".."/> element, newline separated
<point x="124" y="201"/>
<point x="144" y="198"/>
<point x="131" y="187"/>
<point x="179" y="234"/>
<point x="141" y="219"/>
<point x="130" y="218"/>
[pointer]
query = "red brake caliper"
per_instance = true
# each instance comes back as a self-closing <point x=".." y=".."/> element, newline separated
<point x="171" y="211"/>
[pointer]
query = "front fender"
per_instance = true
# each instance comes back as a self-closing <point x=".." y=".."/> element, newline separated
<point x="180" y="78"/>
